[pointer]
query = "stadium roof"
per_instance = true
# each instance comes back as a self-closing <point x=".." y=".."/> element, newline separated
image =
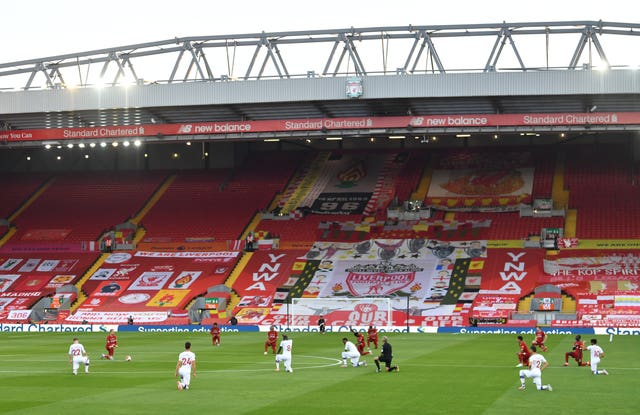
<point x="407" y="72"/>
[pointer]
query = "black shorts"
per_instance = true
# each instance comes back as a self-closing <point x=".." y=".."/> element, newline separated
<point x="387" y="361"/>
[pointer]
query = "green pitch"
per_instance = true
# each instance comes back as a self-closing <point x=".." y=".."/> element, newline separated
<point x="439" y="374"/>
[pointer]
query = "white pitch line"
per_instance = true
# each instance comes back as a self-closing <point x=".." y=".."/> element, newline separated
<point x="504" y="367"/>
<point x="334" y="362"/>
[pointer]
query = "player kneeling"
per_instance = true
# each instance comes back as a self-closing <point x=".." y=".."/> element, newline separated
<point x="284" y="354"/>
<point x="537" y="363"/>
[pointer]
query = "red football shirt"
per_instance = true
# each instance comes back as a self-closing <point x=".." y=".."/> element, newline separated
<point x="111" y="341"/>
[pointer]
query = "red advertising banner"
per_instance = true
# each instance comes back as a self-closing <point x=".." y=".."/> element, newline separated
<point x="320" y="124"/>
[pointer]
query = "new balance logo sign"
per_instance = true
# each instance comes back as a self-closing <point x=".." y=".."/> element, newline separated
<point x="185" y="129"/>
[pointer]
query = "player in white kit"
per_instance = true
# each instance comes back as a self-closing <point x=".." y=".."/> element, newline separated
<point x="537" y="363"/>
<point x="77" y="355"/>
<point x="186" y="367"/>
<point x="284" y="354"/>
<point x="596" y="354"/>
<point x="351" y="352"/>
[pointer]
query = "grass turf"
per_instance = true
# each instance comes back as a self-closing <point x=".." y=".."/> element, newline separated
<point x="440" y="374"/>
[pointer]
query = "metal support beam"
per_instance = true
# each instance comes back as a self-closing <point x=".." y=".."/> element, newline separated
<point x="333" y="52"/>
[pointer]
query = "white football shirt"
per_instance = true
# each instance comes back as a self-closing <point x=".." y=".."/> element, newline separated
<point x="350" y="347"/>
<point x="536" y="361"/>
<point x="76" y="350"/>
<point x="287" y="346"/>
<point x="596" y="351"/>
<point x="186" y="359"/>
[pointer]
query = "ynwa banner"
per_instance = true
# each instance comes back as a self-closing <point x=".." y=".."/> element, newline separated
<point x="511" y="271"/>
<point x="265" y="272"/>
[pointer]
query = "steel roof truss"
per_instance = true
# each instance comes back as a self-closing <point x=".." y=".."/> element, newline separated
<point x="426" y="43"/>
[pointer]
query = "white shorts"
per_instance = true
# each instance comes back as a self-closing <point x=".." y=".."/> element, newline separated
<point x="185" y="375"/>
<point x="77" y="360"/>
<point x="350" y="355"/>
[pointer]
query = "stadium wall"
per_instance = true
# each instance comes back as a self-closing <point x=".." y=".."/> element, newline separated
<point x="530" y="83"/>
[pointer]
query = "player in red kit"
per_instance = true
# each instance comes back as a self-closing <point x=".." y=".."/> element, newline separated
<point x="523" y="353"/>
<point x="372" y="336"/>
<point x="112" y="343"/>
<point x="541" y="337"/>
<point x="272" y="339"/>
<point x="360" y="342"/>
<point x="215" y="334"/>
<point x="576" y="352"/>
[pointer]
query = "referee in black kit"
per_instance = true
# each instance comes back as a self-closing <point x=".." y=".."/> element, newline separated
<point x="386" y="356"/>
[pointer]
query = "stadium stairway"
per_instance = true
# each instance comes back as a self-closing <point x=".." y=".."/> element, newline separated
<point x="449" y="216"/>
<point x="299" y="185"/>
<point x="233" y="277"/>
<point x="137" y="218"/>
<point x="31" y="199"/>
<point x="90" y="271"/>
<point x="560" y="198"/>
<point x="11" y="230"/>
<point x="558" y="191"/>
<point x="252" y="226"/>
<point x="570" y="223"/>
<point x="153" y="200"/>
<point x="237" y="270"/>
<point x="139" y="236"/>
<point x="423" y="184"/>
<point x="524" y="305"/>
<point x="569" y="304"/>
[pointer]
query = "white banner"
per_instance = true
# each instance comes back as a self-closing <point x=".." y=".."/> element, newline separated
<point x="141" y="317"/>
<point x="10" y="264"/>
<point x="149" y="254"/>
<point x="103" y="274"/>
<point x="6" y="280"/>
<point x="18" y="314"/>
